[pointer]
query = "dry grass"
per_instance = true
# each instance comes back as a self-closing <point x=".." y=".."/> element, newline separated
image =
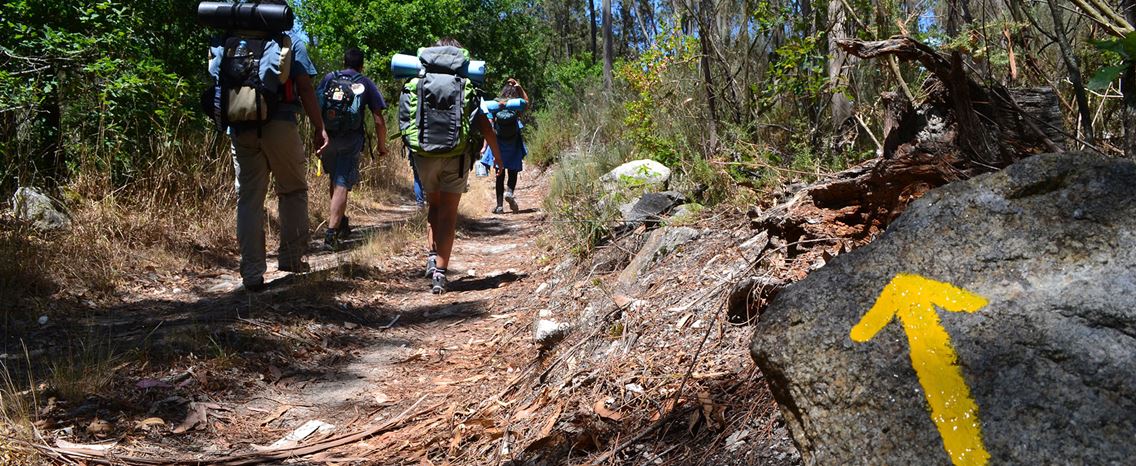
<point x="479" y="199"/>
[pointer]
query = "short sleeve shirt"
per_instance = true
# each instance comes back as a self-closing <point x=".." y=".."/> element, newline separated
<point x="287" y="112"/>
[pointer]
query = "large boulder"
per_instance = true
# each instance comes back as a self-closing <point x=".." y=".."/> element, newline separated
<point x="646" y="175"/>
<point x="650" y="207"/>
<point x="1040" y="258"/>
<point x="31" y="205"/>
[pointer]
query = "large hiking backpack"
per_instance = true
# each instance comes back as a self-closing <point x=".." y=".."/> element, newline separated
<point x="506" y="125"/>
<point x="341" y="104"/>
<point x="250" y="79"/>
<point x="434" y="108"/>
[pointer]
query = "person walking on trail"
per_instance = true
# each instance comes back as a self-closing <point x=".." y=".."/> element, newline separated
<point x="258" y="104"/>
<point x="344" y="95"/>
<point x="440" y="137"/>
<point x="508" y="126"/>
<point x="419" y="196"/>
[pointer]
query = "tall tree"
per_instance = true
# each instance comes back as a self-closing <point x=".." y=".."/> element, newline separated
<point x="1085" y="114"/>
<point x="592" y="26"/>
<point x="608" y="45"/>
<point x="837" y="61"/>
<point x="706" y="38"/>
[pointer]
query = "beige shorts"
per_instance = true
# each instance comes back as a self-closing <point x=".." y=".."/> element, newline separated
<point x="440" y="174"/>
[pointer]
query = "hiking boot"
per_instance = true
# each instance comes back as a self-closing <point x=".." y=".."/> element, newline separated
<point x="295" y="267"/>
<point x="431" y="266"/>
<point x="512" y="201"/>
<point x="331" y="240"/>
<point x="255" y="286"/>
<point x="438" y="283"/>
<point x="344" y="228"/>
<point x="498" y="210"/>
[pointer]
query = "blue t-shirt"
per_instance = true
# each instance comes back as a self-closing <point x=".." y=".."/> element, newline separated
<point x="301" y="64"/>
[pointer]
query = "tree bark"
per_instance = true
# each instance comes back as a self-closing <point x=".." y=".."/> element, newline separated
<point x="627" y="28"/>
<point x="1128" y="89"/>
<point x="607" y="45"/>
<point x="1084" y="113"/>
<point x="840" y="105"/>
<point x="705" y="38"/>
<point x="592" y="16"/>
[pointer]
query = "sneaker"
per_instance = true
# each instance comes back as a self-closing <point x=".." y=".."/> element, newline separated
<point x="498" y="210"/>
<point x="512" y="201"/>
<point x="438" y="283"/>
<point x="331" y="240"/>
<point x="296" y="267"/>
<point x="431" y="266"/>
<point x="255" y="286"/>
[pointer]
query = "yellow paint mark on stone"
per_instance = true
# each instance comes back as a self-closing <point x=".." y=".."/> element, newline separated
<point x="912" y="299"/>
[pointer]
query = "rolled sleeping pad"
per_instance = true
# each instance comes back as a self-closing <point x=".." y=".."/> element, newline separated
<point x="409" y="66"/>
<point x="493" y="106"/>
<point x="475" y="71"/>
<point x="248" y="16"/>
<point x="405" y="66"/>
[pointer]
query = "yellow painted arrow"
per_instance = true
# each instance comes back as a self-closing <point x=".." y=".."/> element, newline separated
<point x="912" y="299"/>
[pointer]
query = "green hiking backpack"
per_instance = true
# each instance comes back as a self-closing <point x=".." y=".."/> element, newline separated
<point x="434" y="108"/>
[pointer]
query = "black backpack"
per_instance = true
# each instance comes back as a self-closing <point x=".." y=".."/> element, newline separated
<point x="506" y="125"/>
<point x="341" y="106"/>
<point x="240" y="95"/>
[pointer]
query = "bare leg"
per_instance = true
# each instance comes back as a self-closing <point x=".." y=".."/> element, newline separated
<point x="442" y="220"/>
<point x="338" y="206"/>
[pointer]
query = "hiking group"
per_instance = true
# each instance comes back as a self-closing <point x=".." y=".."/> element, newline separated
<point x="262" y="77"/>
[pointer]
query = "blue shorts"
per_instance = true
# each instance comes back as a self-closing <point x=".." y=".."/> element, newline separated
<point x="341" y="163"/>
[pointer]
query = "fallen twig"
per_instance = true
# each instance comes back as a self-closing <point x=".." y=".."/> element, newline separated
<point x="102" y="457"/>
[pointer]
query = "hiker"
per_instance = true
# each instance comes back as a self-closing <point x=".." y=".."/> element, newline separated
<point x="507" y="124"/>
<point x="258" y="104"/>
<point x="440" y="139"/>
<point x="344" y="95"/>
<point x="419" y="196"/>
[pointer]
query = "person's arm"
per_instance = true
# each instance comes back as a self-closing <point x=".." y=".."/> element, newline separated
<point x="380" y="132"/>
<point x="311" y="107"/>
<point x="524" y="93"/>
<point x="490" y="136"/>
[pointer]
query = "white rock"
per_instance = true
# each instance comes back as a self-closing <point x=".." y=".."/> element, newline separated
<point x="637" y="173"/>
<point x="549" y="332"/>
<point x="29" y="204"/>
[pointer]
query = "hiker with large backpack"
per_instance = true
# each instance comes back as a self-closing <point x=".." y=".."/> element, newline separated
<point x="505" y="115"/>
<point x="344" y="95"/>
<point x="261" y="76"/>
<point x="439" y="119"/>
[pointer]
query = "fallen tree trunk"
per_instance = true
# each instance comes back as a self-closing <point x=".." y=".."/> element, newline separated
<point x="958" y="130"/>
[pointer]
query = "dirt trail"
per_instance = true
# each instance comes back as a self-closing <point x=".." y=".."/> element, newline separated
<point x="351" y="344"/>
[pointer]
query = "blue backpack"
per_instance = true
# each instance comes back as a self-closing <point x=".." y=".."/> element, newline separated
<point x="341" y="104"/>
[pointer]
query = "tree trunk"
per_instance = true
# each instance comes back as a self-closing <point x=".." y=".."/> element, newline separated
<point x="607" y="45"/>
<point x="627" y="27"/>
<point x="592" y="23"/>
<point x="1128" y="88"/>
<point x="1084" y="113"/>
<point x="705" y="38"/>
<point x="838" y="59"/>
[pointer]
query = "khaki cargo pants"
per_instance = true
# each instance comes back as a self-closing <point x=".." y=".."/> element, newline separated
<point x="277" y="150"/>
